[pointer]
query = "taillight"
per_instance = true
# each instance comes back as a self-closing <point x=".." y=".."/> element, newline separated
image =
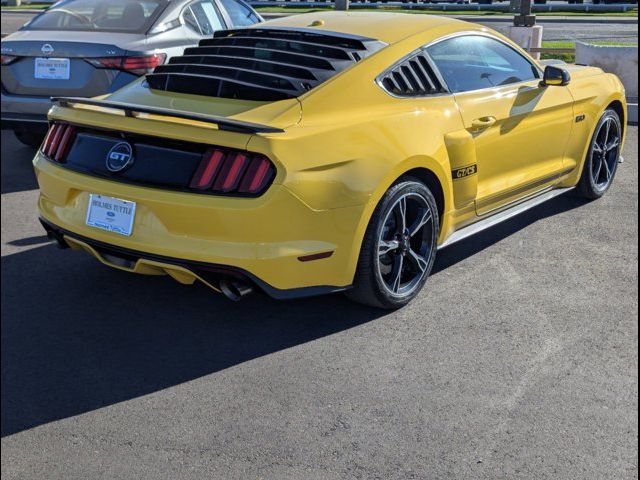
<point x="137" y="65"/>
<point x="232" y="171"/>
<point x="7" y="59"/>
<point x="58" y="141"/>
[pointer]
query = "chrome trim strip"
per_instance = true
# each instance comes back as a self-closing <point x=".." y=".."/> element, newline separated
<point x="502" y="216"/>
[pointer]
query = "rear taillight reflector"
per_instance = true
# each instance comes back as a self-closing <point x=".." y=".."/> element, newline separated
<point x="58" y="140"/>
<point x="231" y="172"/>
<point x="256" y="175"/>
<point x="46" y="146"/>
<point x="65" y="143"/>
<point x="207" y="170"/>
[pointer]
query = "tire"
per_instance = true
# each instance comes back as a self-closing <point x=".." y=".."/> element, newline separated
<point x="601" y="164"/>
<point x="30" y="139"/>
<point x="385" y="251"/>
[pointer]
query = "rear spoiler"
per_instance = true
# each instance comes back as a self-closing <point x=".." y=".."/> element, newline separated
<point x="132" y="111"/>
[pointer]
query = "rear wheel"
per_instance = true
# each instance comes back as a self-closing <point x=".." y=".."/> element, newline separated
<point x="30" y="139"/>
<point x="601" y="164"/>
<point x="399" y="247"/>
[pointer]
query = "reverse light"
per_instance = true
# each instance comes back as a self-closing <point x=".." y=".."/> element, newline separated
<point x="232" y="171"/>
<point x="138" y="65"/>
<point x="58" y="141"/>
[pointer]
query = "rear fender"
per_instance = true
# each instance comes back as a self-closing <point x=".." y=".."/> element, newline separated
<point x="418" y="162"/>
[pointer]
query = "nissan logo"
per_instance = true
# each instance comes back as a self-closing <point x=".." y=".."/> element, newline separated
<point x="46" y="49"/>
<point x="119" y="157"/>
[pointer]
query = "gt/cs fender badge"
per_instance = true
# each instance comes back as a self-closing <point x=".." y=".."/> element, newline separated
<point x="46" y="49"/>
<point x="464" y="171"/>
<point x="119" y="157"/>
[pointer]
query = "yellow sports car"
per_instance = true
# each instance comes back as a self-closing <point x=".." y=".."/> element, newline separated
<point x="322" y="153"/>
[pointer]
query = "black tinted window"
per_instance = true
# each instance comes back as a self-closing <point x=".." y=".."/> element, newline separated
<point x="474" y="62"/>
<point x="241" y="15"/>
<point x="134" y="16"/>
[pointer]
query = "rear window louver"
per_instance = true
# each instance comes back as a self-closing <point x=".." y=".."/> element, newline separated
<point x="412" y="77"/>
<point x="263" y="64"/>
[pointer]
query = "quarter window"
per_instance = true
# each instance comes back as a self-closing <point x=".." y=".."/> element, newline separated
<point x="241" y="14"/>
<point x="474" y="62"/>
<point x="203" y="18"/>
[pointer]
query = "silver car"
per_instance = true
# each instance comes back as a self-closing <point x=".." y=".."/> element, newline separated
<point x="86" y="48"/>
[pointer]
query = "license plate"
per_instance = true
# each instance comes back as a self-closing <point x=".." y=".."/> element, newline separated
<point x="111" y="214"/>
<point x="52" y="68"/>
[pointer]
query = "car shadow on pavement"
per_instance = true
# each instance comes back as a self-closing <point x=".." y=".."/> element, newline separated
<point x="17" y="169"/>
<point x="77" y="336"/>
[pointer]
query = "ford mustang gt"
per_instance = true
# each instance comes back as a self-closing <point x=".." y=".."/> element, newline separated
<point x="322" y="153"/>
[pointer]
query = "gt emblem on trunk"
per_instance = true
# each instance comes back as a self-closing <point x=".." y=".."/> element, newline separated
<point x="46" y="49"/>
<point x="119" y="157"/>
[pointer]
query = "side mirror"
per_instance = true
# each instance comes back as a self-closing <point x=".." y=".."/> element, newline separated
<point x="555" y="77"/>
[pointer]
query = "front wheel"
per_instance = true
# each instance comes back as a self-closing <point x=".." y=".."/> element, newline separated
<point x="399" y="247"/>
<point x="601" y="164"/>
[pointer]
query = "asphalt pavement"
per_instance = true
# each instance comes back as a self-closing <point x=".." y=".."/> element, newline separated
<point x="518" y="361"/>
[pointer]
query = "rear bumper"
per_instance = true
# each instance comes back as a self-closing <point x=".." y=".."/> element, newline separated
<point x="261" y="239"/>
<point x="20" y="111"/>
<point x="184" y="271"/>
<point x="15" y="121"/>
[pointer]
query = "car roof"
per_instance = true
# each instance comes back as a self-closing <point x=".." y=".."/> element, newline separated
<point x="385" y="26"/>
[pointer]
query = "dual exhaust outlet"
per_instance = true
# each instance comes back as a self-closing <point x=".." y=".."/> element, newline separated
<point x="234" y="290"/>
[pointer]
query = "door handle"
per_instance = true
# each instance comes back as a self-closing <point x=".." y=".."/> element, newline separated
<point x="483" y="123"/>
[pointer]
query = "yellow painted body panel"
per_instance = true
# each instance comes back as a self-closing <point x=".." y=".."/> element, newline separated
<point x="345" y="143"/>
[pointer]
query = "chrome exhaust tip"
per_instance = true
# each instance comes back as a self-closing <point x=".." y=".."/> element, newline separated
<point x="234" y="290"/>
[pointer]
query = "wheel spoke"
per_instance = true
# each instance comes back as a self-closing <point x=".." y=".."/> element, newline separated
<point x="386" y="246"/>
<point x="396" y="278"/>
<point x="612" y="145"/>
<point x="420" y="262"/>
<point x="607" y="131"/>
<point x="597" y="148"/>
<point x="420" y="222"/>
<point x="402" y="209"/>
<point x="606" y="166"/>
<point x="598" y="170"/>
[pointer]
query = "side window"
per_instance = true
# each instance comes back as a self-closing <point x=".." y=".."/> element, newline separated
<point x="203" y="17"/>
<point x="474" y="62"/>
<point x="241" y="14"/>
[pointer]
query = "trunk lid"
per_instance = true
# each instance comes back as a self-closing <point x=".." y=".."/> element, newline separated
<point x="168" y="149"/>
